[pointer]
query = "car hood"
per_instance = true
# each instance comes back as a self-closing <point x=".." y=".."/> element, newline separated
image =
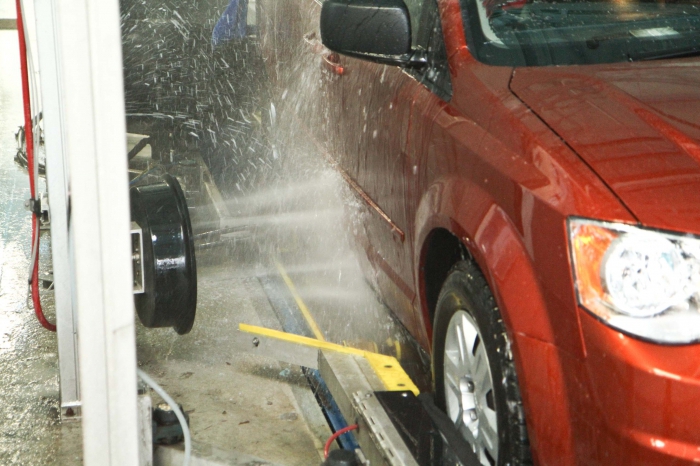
<point x="637" y="125"/>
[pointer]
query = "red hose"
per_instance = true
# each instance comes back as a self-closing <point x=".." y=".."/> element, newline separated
<point x="333" y="437"/>
<point x="29" y="138"/>
<point x="35" y="285"/>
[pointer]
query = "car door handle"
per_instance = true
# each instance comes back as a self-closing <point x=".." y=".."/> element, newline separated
<point x="332" y="62"/>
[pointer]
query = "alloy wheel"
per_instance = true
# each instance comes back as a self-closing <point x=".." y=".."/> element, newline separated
<point x="469" y="392"/>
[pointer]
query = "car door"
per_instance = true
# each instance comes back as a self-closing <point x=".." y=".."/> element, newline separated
<point x="375" y="121"/>
<point x="430" y="115"/>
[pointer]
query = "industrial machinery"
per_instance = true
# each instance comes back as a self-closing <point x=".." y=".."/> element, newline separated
<point x="165" y="269"/>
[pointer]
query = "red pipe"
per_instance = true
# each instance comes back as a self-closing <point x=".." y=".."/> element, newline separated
<point x="29" y="138"/>
<point x="331" y="439"/>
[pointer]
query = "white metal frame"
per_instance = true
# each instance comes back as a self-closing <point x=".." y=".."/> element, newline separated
<point x="57" y="181"/>
<point x="86" y="144"/>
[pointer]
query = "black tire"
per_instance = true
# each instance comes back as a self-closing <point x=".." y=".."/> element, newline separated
<point x="466" y="289"/>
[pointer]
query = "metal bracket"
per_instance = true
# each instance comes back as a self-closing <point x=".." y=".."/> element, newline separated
<point x="137" y="257"/>
<point x="45" y="208"/>
<point x="33" y="206"/>
<point x="381" y="429"/>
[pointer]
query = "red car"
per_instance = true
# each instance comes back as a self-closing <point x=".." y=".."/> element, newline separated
<point x="532" y="173"/>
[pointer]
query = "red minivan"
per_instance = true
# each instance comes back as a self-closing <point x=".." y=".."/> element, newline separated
<point x="531" y="171"/>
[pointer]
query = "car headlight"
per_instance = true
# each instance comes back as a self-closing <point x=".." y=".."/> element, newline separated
<point x="643" y="282"/>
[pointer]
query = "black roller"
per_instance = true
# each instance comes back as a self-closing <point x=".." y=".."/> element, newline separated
<point x="170" y="271"/>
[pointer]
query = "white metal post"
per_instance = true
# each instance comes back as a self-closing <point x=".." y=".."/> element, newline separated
<point x="57" y="180"/>
<point x="92" y="108"/>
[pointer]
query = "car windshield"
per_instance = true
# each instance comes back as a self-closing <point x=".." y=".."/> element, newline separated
<point x="539" y="33"/>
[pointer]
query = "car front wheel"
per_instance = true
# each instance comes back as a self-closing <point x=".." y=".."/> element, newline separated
<point x="474" y="375"/>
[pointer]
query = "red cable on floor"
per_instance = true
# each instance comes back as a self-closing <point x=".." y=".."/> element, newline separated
<point x="333" y="437"/>
<point x="29" y="138"/>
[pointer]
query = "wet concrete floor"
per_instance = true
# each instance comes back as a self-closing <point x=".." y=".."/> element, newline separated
<point x="240" y="406"/>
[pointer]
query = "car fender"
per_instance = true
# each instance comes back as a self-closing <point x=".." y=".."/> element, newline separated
<point x="494" y="243"/>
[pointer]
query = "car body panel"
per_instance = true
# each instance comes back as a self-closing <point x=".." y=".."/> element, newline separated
<point x="501" y="165"/>
<point x="641" y="404"/>
<point x="541" y="370"/>
<point x="631" y="124"/>
<point x="525" y="171"/>
<point x="375" y="116"/>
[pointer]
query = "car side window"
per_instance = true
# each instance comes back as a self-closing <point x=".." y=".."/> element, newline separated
<point x="436" y="75"/>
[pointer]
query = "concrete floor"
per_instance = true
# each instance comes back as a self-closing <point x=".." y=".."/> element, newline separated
<point x="240" y="405"/>
<point x="243" y="409"/>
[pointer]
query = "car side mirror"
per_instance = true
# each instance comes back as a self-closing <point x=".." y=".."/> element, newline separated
<point x="375" y="30"/>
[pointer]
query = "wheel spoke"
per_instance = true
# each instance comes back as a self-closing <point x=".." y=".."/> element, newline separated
<point x="453" y="366"/>
<point x="452" y="384"/>
<point x="461" y="346"/>
<point x="453" y="400"/>
<point x="489" y="416"/>
<point x="487" y="432"/>
<point x="480" y="370"/>
<point x="470" y="334"/>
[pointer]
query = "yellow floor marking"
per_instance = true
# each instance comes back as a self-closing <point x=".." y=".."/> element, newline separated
<point x="300" y="304"/>
<point x="387" y="368"/>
